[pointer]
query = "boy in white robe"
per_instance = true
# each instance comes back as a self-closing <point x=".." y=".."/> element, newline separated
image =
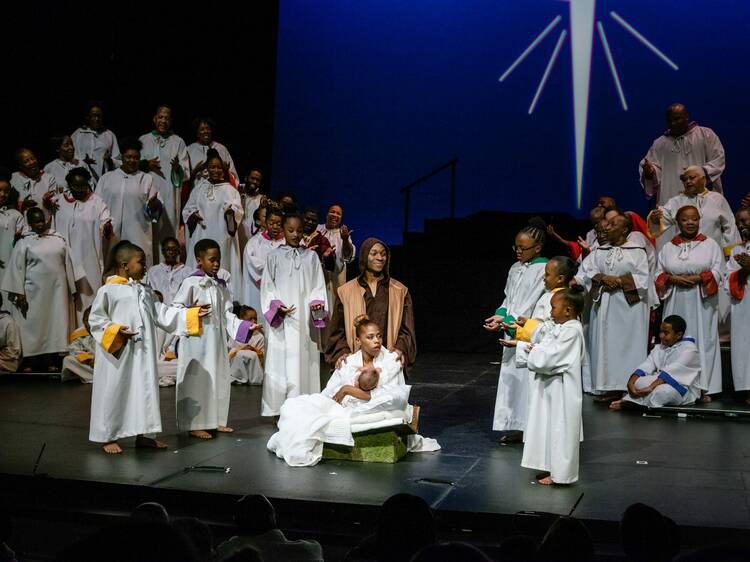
<point x="247" y="358"/>
<point x="165" y="157"/>
<point x="34" y="186"/>
<point x="254" y="257"/>
<point x="668" y="375"/>
<point x="554" y="429"/>
<point x="10" y="342"/>
<point x="11" y="227"/>
<point x="738" y="270"/>
<point x="295" y="305"/>
<point x="203" y="383"/>
<point x="167" y="276"/>
<point x="95" y="145"/>
<point x="132" y="199"/>
<point x="79" y="362"/>
<point x="523" y="288"/>
<point x="83" y="219"/>
<point x="123" y="320"/>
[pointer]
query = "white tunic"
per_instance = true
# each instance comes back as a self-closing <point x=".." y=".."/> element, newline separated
<point x="125" y="397"/>
<point x="292" y="277"/>
<point x="246" y="367"/>
<point x="524" y="287"/>
<point x="697" y="305"/>
<point x="126" y="197"/>
<point x="248" y="228"/>
<point x="254" y="262"/>
<point x="81" y="223"/>
<point x="41" y="269"/>
<point x="166" y="279"/>
<point x="165" y="149"/>
<point x="95" y="145"/>
<point x="736" y="286"/>
<point x="36" y="189"/>
<point x="212" y="201"/>
<point x="11" y="224"/>
<point x="197" y="154"/>
<point x="618" y="334"/>
<point x="554" y="428"/>
<point x="671" y="155"/>
<point x="203" y="383"/>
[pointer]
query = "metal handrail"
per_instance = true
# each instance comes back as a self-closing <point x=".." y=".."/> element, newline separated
<point x="408" y="187"/>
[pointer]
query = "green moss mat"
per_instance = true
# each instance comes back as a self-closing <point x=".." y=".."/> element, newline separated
<point x="376" y="446"/>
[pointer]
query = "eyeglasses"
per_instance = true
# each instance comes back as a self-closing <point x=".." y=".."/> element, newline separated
<point x="520" y="250"/>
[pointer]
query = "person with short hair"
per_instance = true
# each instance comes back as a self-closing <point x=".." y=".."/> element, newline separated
<point x="252" y="200"/>
<point x="79" y="362"/>
<point x="95" y="145"/>
<point x="33" y="186"/>
<point x="66" y="161"/>
<point x="339" y="236"/>
<point x="11" y="225"/>
<point x="203" y="129"/>
<point x="255" y="255"/>
<point x="10" y="342"/>
<point x="166" y="276"/>
<point x="247" y="357"/>
<point x="738" y="270"/>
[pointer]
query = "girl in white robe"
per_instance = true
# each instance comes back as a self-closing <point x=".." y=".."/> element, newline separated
<point x="203" y="383"/>
<point x="32" y="184"/>
<point x="294" y="303"/>
<point x="41" y="278"/>
<point x="254" y="258"/>
<point x="736" y="286"/>
<point x="11" y="227"/>
<point x="690" y="271"/>
<point x="83" y="219"/>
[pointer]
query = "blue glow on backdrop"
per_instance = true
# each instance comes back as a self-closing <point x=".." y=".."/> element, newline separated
<point x="372" y="94"/>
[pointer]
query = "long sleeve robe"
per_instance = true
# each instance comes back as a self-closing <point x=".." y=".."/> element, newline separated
<point x="292" y="277"/>
<point x="203" y="383"/>
<point x="212" y="201"/>
<point x="35" y="189"/>
<point x="93" y="144"/>
<point x="125" y="396"/>
<point x="524" y="287"/>
<point x="59" y="169"/>
<point x="41" y="269"/>
<point x="336" y="277"/>
<point x="554" y="428"/>
<point x="254" y="262"/>
<point x="736" y="286"/>
<point x="166" y="279"/>
<point x="82" y="223"/>
<point x="697" y="305"/>
<point x="699" y="146"/>
<point x="197" y="154"/>
<point x="11" y="225"/>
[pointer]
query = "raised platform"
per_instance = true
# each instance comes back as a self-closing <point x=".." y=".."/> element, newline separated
<point x="694" y="469"/>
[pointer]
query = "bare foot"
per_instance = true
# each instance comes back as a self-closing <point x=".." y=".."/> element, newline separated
<point x="201" y="434"/>
<point x="224" y="429"/>
<point x="546" y="481"/>
<point x="706" y="399"/>
<point x="148" y="443"/>
<point x="616" y="405"/>
<point x="542" y="476"/>
<point x="112" y="448"/>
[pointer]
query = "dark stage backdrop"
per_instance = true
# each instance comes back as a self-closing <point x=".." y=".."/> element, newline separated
<point x="372" y="94"/>
<point x="203" y="59"/>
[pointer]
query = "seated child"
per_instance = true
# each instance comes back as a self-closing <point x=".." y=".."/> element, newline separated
<point x="165" y="349"/>
<point x="10" y="342"/>
<point x="246" y="359"/>
<point x="80" y="359"/>
<point x="667" y="375"/>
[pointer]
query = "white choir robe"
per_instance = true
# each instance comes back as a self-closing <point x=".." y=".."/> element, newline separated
<point x="197" y="154"/>
<point x="212" y="201"/>
<point x="246" y="367"/>
<point x="127" y="196"/>
<point x="580" y="278"/>
<point x="166" y="279"/>
<point x="670" y="155"/>
<point x="79" y="362"/>
<point x="554" y="428"/>
<point x="736" y="287"/>
<point x="524" y="287"/>
<point x="82" y="223"/>
<point x="93" y="144"/>
<point x="125" y="397"/>
<point x="247" y="227"/>
<point x="41" y="269"/>
<point x="337" y="277"/>
<point x="11" y="225"/>
<point x="618" y="333"/>
<point x="292" y="277"/>
<point x="59" y="170"/>
<point x="697" y="305"/>
<point x="203" y="383"/>
<point x="169" y="186"/>
<point x="253" y="263"/>
<point x="36" y="189"/>
<point x="679" y="366"/>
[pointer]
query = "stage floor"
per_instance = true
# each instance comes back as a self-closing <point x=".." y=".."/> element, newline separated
<point x="696" y="470"/>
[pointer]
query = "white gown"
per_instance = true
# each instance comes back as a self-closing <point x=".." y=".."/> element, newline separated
<point x="524" y="287"/>
<point x="554" y="428"/>
<point x="197" y="154"/>
<point x="40" y="268"/>
<point x="246" y="367"/>
<point x="254" y="262"/>
<point x="11" y="223"/>
<point x="125" y="397"/>
<point x="25" y="186"/>
<point x="169" y="186"/>
<point x="81" y="223"/>
<point x="126" y="197"/>
<point x="736" y="286"/>
<point x="212" y="201"/>
<point x="618" y="331"/>
<point x="247" y="226"/>
<point x="292" y="277"/>
<point x="88" y="142"/>
<point x="203" y="383"/>
<point x="698" y="305"/>
<point x="166" y="279"/>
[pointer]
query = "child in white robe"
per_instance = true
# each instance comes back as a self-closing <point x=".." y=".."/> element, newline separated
<point x="254" y="257"/>
<point x="554" y="429"/>
<point x="10" y="342"/>
<point x="11" y="227"/>
<point x="166" y="358"/>
<point x="167" y="276"/>
<point x="690" y="270"/>
<point x="203" y="383"/>
<point x="123" y="320"/>
<point x="34" y="186"/>
<point x="295" y="306"/>
<point x="669" y="374"/>
<point x="79" y="363"/>
<point x="524" y="287"/>
<point x="738" y="270"/>
<point x="247" y="358"/>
